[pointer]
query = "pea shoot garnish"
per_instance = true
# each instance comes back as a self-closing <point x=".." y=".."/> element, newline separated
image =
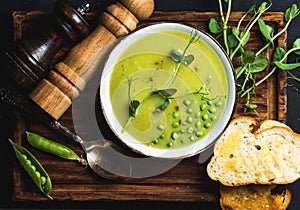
<point x="180" y="57"/>
<point x="234" y="40"/>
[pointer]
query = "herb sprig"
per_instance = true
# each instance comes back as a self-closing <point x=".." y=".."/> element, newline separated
<point x="234" y="40"/>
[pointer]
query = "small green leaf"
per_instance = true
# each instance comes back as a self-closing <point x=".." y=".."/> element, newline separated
<point x="296" y="44"/>
<point x="238" y="70"/>
<point x="133" y="107"/>
<point x="278" y="54"/>
<point x="259" y="64"/>
<point x="163" y="105"/>
<point x="232" y="41"/>
<point x="214" y="26"/>
<point x="267" y="31"/>
<point x="166" y="92"/>
<point x="188" y="59"/>
<point x="235" y="32"/>
<point x="248" y="57"/>
<point x="287" y="67"/>
<point x="291" y="12"/>
<point x="246" y="39"/>
<point x="176" y="55"/>
<point x="262" y="7"/>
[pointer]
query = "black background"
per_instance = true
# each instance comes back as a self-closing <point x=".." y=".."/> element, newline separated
<point x="7" y="121"/>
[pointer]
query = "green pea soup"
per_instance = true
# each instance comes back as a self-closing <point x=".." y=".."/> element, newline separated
<point x="146" y="68"/>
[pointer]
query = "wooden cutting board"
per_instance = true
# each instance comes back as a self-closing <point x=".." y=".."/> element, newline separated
<point x="188" y="181"/>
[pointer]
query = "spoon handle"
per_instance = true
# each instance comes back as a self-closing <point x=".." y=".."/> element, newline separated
<point x="31" y="109"/>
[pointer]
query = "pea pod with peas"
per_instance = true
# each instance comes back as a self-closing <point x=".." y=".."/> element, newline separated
<point x="53" y="147"/>
<point x="33" y="167"/>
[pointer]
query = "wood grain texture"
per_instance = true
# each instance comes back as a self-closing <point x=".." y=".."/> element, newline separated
<point x="187" y="182"/>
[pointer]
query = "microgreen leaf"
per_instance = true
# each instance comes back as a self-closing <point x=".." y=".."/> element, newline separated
<point x="291" y="12"/>
<point x="177" y="55"/>
<point x="267" y="31"/>
<point x="262" y="7"/>
<point x="248" y="57"/>
<point x="235" y="32"/>
<point x="247" y="37"/>
<point x="258" y="65"/>
<point x="278" y="54"/>
<point x="163" y="105"/>
<point x="239" y="35"/>
<point x="238" y="70"/>
<point x="287" y="67"/>
<point x="188" y="59"/>
<point x="166" y="93"/>
<point x="232" y="41"/>
<point x="214" y="26"/>
<point x="296" y="44"/>
<point x="133" y="107"/>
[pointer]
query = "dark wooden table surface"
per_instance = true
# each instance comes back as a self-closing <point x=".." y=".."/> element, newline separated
<point x="8" y="122"/>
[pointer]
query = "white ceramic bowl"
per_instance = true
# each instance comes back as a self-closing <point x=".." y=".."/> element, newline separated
<point x="136" y="145"/>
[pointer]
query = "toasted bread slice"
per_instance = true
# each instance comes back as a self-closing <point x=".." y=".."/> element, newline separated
<point x="247" y="154"/>
<point x="252" y="197"/>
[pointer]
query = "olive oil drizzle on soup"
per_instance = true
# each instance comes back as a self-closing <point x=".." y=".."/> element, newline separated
<point x="200" y="97"/>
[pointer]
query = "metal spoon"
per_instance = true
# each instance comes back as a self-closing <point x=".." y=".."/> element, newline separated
<point x="108" y="159"/>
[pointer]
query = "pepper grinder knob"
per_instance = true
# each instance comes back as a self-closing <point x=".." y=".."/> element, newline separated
<point x="28" y="60"/>
<point x="55" y="93"/>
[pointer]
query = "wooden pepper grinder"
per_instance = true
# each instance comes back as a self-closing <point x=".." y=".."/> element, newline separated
<point x="55" y="93"/>
<point x="29" y="59"/>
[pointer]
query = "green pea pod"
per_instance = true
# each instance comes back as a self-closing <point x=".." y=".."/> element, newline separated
<point x="54" y="148"/>
<point x="33" y="167"/>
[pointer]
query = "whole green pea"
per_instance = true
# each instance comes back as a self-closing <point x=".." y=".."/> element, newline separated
<point x="174" y="135"/>
<point x="189" y="111"/>
<point x="198" y="124"/>
<point x="28" y="162"/>
<point x="38" y="174"/>
<point x="176" y="115"/>
<point x="161" y="127"/>
<point x="213" y="118"/>
<point x="187" y="102"/>
<point x="197" y="114"/>
<point x="192" y="138"/>
<point x="189" y="119"/>
<point x="169" y="144"/>
<point x="203" y="107"/>
<point x="212" y="109"/>
<point x="219" y="104"/>
<point x="155" y="141"/>
<point x="175" y="124"/>
<point x="209" y="102"/>
<point x="43" y="180"/>
<point x="199" y="133"/>
<point x="207" y="125"/>
<point x="162" y="136"/>
<point x="33" y="167"/>
<point x="205" y="117"/>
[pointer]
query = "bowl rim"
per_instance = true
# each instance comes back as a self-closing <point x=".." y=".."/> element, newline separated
<point x="182" y="152"/>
